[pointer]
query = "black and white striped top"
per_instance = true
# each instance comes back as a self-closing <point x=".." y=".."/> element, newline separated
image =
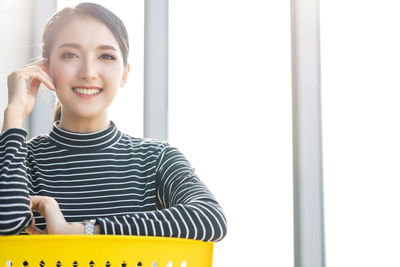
<point x="131" y="186"/>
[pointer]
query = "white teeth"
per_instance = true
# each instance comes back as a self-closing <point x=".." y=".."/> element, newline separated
<point x="83" y="91"/>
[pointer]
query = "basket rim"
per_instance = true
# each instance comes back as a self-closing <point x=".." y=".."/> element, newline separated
<point x="100" y="238"/>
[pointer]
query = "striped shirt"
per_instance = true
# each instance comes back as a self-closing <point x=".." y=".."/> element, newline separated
<point x="131" y="186"/>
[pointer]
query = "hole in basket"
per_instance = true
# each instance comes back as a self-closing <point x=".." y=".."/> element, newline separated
<point x="41" y="263"/>
<point x="169" y="264"/>
<point x="25" y="263"/>
<point x="184" y="264"/>
<point x="91" y="263"/>
<point x="8" y="263"/>
<point x="139" y="264"/>
<point x="154" y="264"/>
<point x="108" y="264"/>
<point x="75" y="264"/>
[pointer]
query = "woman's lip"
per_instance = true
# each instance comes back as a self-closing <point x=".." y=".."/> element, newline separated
<point x="87" y="87"/>
<point x="86" y="96"/>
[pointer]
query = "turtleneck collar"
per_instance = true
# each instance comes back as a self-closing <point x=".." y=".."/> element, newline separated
<point x="85" y="141"/>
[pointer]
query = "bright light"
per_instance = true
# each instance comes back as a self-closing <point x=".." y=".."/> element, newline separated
<point x="230" y="114"/>
<point x="360" y="102"/>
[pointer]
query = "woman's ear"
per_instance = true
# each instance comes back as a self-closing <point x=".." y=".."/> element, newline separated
<point x="127" y="69"/>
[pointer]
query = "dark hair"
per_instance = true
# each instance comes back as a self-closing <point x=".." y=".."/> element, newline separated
<point x="96" y="11"/>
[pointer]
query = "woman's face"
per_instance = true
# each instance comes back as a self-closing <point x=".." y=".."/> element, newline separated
<point x="86" y="66"/>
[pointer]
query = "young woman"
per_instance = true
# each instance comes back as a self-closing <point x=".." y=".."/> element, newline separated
<point x="85" y="176"/>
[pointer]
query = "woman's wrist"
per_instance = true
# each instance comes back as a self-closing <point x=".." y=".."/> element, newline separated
<point x="15" y="109"/>
<point x="79" y="229"/>
<point x="96" y="229"/>
<point x="13" y="117"/>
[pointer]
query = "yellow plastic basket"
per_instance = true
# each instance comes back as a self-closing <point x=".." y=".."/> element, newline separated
<point x="103" y="251"/>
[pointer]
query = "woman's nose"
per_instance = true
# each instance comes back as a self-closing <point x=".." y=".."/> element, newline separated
<point x="88" y="70"/>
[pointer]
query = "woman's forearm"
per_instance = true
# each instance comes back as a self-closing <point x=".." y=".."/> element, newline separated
<point x="12" y="118"/>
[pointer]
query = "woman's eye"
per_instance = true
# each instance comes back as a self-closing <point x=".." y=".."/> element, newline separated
<point x="68" y="55"/>
<point x="108" y="57"/>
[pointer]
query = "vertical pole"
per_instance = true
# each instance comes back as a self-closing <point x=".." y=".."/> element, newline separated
<point x="307" y="140"/>
<point x="156" y="69"/>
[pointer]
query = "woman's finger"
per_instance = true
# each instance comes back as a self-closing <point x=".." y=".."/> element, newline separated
<point x="40" y="68"/>
<point x="31" y="212"/>
<point x="50" y="210"/>
<point x="40" y="75"/>
<point x="42" y="203"/>
<point x="38" y="204"/>
<point x="39" y="62"/>
<point x="34" y="87"/>
<point x="45" y="70"/>
<point x="33" y="230"/>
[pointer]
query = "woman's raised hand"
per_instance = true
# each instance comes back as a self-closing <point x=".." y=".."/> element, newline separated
<point x="22" y="98"/>
<point x="49" y="209"/>
<point x="55" y="221"/>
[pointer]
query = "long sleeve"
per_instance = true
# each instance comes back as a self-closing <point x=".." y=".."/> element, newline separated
<point x="14" y="193"/>
<point x="185" y="206"/>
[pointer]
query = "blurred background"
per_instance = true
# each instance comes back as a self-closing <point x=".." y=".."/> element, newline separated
<point x="230" y="92"/>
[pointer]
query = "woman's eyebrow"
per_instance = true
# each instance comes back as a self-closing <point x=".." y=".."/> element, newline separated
<point x="74" y="45"/>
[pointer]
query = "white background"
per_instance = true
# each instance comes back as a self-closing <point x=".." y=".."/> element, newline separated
<point x="16" y="43"/>
<point x="230" y="113"/>
<point x="360" y="102"/>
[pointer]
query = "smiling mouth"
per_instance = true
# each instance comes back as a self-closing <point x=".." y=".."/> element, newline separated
<point x="87" y="91"/>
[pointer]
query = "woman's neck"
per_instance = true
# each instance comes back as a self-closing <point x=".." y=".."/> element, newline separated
<point x="84" y="125"/>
